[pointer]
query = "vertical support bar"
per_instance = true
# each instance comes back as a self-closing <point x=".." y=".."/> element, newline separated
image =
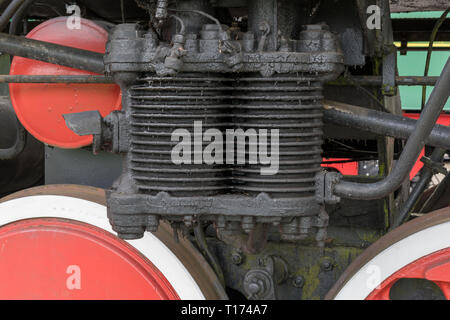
<point x="264" y="12"/>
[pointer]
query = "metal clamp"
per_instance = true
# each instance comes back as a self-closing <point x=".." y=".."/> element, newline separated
<point x="325" y="182"/>
<point x="434" y="165"/>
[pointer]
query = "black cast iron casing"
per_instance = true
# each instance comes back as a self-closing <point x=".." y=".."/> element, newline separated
<point x="213" y="85"/>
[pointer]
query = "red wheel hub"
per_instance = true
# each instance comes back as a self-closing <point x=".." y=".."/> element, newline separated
<point x="434" y="267"/>
<point x="50" y="258"/>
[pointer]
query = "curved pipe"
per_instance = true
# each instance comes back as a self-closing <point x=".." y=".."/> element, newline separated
<point x="15" y="10"/>
<point x="9" y="13"/>
<point x="425" y="177"/>
<point x="415" y="144"/>
<point x="19" y="15"/>
<point x="21" y="134"/>
<point x="21" y="140"/>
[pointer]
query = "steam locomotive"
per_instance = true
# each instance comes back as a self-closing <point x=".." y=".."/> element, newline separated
<point x="187" y="149"/>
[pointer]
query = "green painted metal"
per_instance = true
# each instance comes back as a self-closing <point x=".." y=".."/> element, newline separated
<point x="417" y="15"/>
<point x="413" y="64"/>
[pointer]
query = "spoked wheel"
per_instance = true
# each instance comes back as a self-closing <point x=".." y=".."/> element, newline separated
<point x="411" y="262"/>
<point x="56" y="243"/>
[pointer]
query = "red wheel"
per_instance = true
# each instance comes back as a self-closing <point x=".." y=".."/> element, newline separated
<point x="434" y="267"/>
<point x="55" y="258"/>
<point x="418" y="251"/>
<point x="55" y="243"/>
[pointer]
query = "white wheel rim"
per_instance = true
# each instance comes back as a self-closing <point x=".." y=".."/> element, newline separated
<point x="393" y="258"/>
<point x="50" y="206"/>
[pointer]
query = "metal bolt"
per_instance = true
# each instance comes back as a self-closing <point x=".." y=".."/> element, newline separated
<point x="248" y="224"/>
<point x="221" y="223"/>
<point x="254" y="288"/>
<point x="298" y="282"/>
<point x="261" y="284"/>
<point x="188" y="220"/>
<point x="236" y="258"/>
<point x="258" y="284"/>
<point x="152" y="223"/>
<point x="327" y="265"/>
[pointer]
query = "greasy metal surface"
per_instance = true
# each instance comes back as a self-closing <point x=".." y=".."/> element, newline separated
<point x="377" y="81"/>
<point x="316" y="50"/>
<point x="382" y="123"/>
<point x="52" y="53"/>
<point x="418" y="5"/>
<point x="157" y="108"/>
<point x="22" y="165"/>
<point x="345" y="20"/>
<point x="439" y="198"/>
<point x="442" y="201"/>
<point x="81" y="167"/>
<point x="294" y="107"/>
<point x="54" y="79"/>
<point x="277" y="89"/>
<point x="84" y="123"/>
<point x="405" y="230"/>
<point x="412" y="149"/>
<point x="311" y="271"/>
<point x="255" y="102"/>
<point x="7" y="119"/>
<point x="184" y="250"/>
<point x="229" y="205"/>
<point x="425" y="175"/>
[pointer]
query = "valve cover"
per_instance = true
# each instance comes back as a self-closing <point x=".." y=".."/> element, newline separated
<point x="40" y="107"/>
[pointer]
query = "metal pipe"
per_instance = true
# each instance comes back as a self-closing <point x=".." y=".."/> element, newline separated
<point x="9" y="12"/>
<point x="2" y="2"/>
<point x="431" y="49"/>
<point x="52" y="53"/>
<point x="19" y="145"/>
<point x="381" y="123"/>
<point x="438" y="198"/>
<point x="19" y="15"/>
<point x="203" y="245"/>
<point x="416" y="81"/>
<point x="426" y="173"/>
<point x="422" y="49"/>
<point x="415" y="144"/>
<point x="101" y="79"/>
<point x="55" y="79"/>
<point x="6" y="120"/>
<point x="378" y="81"/>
